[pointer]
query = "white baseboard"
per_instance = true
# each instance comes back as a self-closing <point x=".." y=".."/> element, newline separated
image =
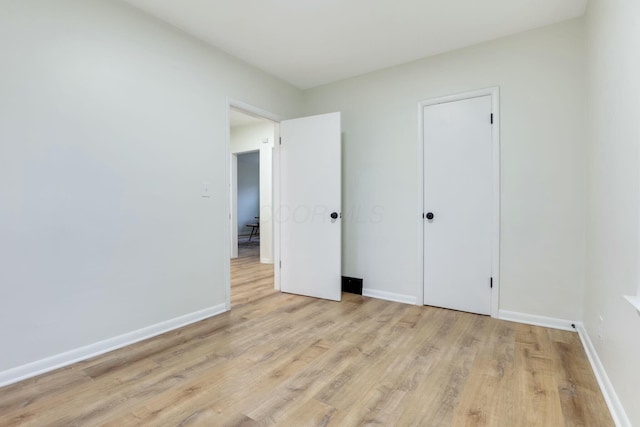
<point x="266" y="260"/>
<point x="389" y="296"/>
<point x="531" y="319"/>
<point x="38" y="367"/>
<point x="615" y="406"/>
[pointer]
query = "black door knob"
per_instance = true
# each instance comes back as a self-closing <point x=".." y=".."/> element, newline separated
<point x="429" y="215"/>
<point x="334" y="215"/>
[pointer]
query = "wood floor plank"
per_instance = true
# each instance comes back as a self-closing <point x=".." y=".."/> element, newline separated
<point x="537" y="381"/>
<point x="17" y="397"/>
<point x="481" y="403"/>
<point x="578" y="399"/>
<point x="285" y="360"/>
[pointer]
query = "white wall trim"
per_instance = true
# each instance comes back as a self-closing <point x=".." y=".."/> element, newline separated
<point x="389" y="296"/>
<point x="494" y="92"/>
<point x="233" y="202"/>
<point x="48" y="364"/>
<point x="613" y="402"/>
<point x="276" y="207"/>
<point x="230" y="166"/>
<point x="532" y="319"/>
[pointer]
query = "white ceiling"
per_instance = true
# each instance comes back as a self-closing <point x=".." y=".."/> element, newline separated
<point x="311" y="42"/>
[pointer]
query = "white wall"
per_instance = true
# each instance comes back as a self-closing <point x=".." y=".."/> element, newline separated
<point x="250" y="138"/>
<point x="248" y="190"/>
<point x="613" y="34"/>
<point x="540" y="74"/>
<point x="109" y="124"/>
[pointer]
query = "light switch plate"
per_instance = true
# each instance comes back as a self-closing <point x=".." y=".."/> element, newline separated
<point x="205" y="191"/>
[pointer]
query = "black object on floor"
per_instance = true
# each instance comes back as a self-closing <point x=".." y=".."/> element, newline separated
<point x="352" y="285"/>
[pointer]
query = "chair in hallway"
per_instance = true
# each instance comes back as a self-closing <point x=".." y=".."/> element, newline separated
<point x="255" y="228"/>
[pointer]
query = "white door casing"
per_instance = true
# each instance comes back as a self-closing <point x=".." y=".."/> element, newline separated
<point x="309" y="193"/>
<point x="460" y="167"/>
<point x="233" y="194"/>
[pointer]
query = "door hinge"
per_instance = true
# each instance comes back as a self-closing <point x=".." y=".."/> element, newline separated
<point x="280" y="139"/>
<point x="491" y="283"/>
<point x="491" y="118"/>
<point x="280" y="264"/>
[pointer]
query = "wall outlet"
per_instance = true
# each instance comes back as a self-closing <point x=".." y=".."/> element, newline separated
<point x="600" y="327"/>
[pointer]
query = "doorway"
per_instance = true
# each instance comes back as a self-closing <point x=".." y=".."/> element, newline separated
<point x="306" y="159"/>
<point x="460" y="191"/>
<point x="251" y="142"/>
<point x="247" y="200"/>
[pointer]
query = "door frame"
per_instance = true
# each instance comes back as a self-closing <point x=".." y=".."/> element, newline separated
<point x="494" y="92"/>
<point x="240" y="105"/>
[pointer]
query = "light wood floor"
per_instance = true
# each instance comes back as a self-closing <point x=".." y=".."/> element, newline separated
<point x="279" y="359"/>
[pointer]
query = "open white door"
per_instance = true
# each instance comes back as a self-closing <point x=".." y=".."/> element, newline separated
<point x="309" y="211"/>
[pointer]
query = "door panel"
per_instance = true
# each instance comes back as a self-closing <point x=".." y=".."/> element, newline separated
<point x="310" y="191"/>
<point x="458" y="192"/>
